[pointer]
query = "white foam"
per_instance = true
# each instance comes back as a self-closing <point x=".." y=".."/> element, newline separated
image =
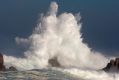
<point x="84" y="74"/>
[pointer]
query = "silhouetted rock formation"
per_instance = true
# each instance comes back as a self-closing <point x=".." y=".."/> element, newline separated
<point x="2" y="67"/>
<point x="54" y="62"/>
<point x="12" y="68"/>
<point x="113" y="65"/>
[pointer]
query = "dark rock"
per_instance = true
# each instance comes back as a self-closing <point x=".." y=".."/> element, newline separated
<point x="113" y="65"/>
<point x="54" y="62"/>
<point x="109" y="65"/>
<point x="12" y="68"/>
<point x="2" y="67"/>
<point x="1" y="59"/>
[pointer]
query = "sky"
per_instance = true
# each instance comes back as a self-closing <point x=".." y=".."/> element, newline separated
<point x="99" y="20"/>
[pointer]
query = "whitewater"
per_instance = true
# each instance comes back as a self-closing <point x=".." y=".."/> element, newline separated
<point x="58" y="36"/>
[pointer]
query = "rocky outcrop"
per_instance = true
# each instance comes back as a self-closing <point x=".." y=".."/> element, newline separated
<point x="2" y="67"/>
<point x="113" y="65"/>
<point x="12" y="68"/>
<point x="54" y="62"/>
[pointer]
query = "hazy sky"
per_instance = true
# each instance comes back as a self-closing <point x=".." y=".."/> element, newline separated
<point x="100" y="20"/>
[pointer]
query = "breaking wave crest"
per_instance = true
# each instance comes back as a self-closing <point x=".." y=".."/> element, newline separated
<point x="57" y="36"/>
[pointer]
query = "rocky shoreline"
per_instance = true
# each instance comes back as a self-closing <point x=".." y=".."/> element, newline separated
<point x="112" y="66"/>
<point x="3" y="67"/>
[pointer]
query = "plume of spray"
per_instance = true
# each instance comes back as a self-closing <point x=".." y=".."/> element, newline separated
<point x="57" y="36"/>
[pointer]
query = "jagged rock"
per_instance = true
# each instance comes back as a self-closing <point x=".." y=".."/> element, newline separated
<point x="54" y="62"/>
<point x="12" y="68"/>
<point x="113" y="65"/>
<point x="2" y="67"/>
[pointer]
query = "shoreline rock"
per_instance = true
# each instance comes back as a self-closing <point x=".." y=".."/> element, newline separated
<point x="12" y="68"/>
<point x="2" y="66"/>
<point x="112" y="66"/>
<point x="53" y="62"/>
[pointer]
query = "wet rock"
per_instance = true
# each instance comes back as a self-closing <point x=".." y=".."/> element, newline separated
<point x="112" y="66"/>
<point x="12" y="68"/>
<point x="2" y="67"/>
<point x="1" y="59"/>
<point x="54" y="62"/>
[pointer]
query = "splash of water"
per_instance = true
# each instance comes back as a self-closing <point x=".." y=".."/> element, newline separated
<point x="57" y="36"/>
<point x="92" y="74"/>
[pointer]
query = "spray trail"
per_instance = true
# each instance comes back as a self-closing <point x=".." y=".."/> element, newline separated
<point x="57" y="36"/>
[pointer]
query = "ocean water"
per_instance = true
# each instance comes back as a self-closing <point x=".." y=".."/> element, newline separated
<point x="58" y="74"/>
<point x="38" y="74"/>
